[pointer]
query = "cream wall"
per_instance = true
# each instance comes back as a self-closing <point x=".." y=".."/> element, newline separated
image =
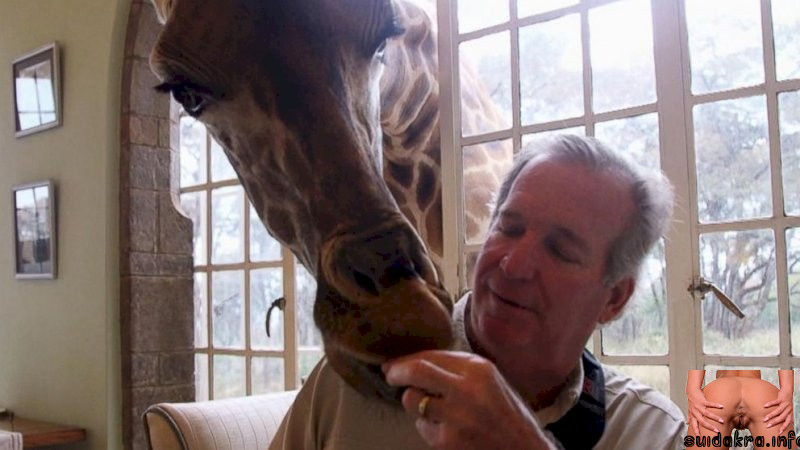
<point x="59" y="339"/>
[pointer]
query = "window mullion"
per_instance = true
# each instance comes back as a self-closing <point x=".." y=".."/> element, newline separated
<point x="681" y="259"/>
<point x="451" y="160"/>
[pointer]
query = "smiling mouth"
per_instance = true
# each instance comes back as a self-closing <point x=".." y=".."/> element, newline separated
<point x="510" y="303"/>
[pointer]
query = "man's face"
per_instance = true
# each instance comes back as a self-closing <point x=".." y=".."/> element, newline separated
<point x="538" y="291"/>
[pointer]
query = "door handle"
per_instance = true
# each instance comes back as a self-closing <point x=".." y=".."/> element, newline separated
<point x="700" y="287"/>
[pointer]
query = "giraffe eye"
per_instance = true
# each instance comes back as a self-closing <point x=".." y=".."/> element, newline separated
<point x="191" y="98"/>
<point x="193" y="102"/>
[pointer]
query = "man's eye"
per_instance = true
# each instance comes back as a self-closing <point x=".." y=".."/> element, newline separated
<point x="511" y="230"/>
<point x="559" y="252"/>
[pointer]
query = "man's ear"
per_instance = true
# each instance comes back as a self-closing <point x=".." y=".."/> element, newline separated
<point x="621" y="292"/>
<point x="163" y="9"/>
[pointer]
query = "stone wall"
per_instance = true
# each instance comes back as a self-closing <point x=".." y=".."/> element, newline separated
<point x="156" y="266"/>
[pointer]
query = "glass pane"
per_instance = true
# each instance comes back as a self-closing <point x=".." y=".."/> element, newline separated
<point x="228" y="309"/>
<point x="527" y="8"/>
<point x="229" y="376"/>
<point x="308" y="359"/>
<point x="221" y="169"/>
<point x="267" y="375"/>
<point x="623" y="71"/>
<point x="266" y="285"/>
<point x="724" y="44"/>
<point x="529" y="138"/>
<point x="785" y="23"/>
<point x="793" y="265"/>
<point x="485" y="165"/>
<point x="742" y="265"/>
<point x="476" y="14"/>
<point x="642" y="327"/>
<point x="732" y="154"/>
<point x="551" y="70"/>
<point x="485" y="77"/>
<point x="227" y="225"/>
<point x="194" y="206"/>
<point x="635" y="136"/>
<point x="263" y="247"/>
<point x="654" y="376"/>
<point x="789" y="113"/>
<point x="201" y="383"/>
<point x="200" y="310"/>
<point x="305" y="291"/>
<point x="193" y="151"/>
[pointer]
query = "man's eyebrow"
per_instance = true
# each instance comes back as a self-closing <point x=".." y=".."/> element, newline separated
<point x="510" y="214"/>
<point x="574" y="238"/>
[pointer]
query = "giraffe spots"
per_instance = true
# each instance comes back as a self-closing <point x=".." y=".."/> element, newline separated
<point x="417" y="94"/>
<point x="424" y="126"/>
<point x="403" y="174"/>
<point x="474" y="156"/>
<point x="426" y="185"/>
<point x="433" y="227"/>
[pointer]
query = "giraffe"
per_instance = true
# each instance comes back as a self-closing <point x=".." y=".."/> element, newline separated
<point x="411" y="131"/>
<point x="292" y="90"/>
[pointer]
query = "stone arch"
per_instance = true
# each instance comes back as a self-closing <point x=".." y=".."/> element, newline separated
<point x="156" y="265"/>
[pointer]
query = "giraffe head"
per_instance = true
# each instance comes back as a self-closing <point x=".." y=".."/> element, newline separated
<point x="290" y="89"/>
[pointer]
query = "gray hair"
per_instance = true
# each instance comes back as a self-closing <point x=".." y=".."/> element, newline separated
<point x="650" y="189"/>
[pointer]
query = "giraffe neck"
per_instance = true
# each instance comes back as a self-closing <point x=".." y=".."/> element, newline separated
<point x="410" y="121"/>
<point x="411" y="131"/>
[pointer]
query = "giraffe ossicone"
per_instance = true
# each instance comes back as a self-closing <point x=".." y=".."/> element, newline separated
<point x="291" y="90"/>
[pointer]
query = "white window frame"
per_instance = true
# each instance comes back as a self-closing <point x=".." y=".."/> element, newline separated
<point x="674" y="108"/>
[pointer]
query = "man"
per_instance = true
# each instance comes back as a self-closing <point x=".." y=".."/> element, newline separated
<point x="572" y="224"/>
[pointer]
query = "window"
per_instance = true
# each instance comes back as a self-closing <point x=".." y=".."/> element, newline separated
<point x="707" y="90"/>
<point x="240" y="270"/>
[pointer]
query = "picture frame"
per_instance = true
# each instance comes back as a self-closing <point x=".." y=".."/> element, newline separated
<point x="37" y="90"/>
<point x="35" y="230"/>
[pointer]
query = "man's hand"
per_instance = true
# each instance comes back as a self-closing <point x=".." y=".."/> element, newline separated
<point x="470" y="405"/>
<point x="783" y="413"/>
<point x="699" y="415"/>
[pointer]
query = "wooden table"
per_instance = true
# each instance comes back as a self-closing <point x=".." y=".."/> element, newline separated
<point x="36" y="433"/>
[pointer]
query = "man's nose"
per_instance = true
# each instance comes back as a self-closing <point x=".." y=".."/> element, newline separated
<point x="520" y="261"/>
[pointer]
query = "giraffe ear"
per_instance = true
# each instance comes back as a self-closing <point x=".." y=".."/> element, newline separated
<point x="163" y="8"/>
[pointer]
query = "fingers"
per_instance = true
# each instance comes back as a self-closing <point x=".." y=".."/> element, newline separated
<point x="694" y="426"/>
<point x="777" y="418"/>
<point x="786" y="424"/>
<point x="781" y="411"/>
<point x="697" y="415"/>
<point x="419" y="373"/>
<point x="411" y="400"/>
<point x="709" y="404"/>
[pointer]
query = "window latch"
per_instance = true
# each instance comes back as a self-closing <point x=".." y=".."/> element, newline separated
<point x="700" y="287"/>
<point x="279" y="303"/>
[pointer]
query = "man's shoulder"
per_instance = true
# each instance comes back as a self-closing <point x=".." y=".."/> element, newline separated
<point x="626" y="394"/>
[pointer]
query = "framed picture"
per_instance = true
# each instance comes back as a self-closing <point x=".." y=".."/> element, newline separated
<point x="37" y="91"/>
<point x="35" y="230"/>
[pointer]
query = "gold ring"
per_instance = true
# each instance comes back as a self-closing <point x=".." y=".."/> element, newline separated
<point x="422" y="407"/>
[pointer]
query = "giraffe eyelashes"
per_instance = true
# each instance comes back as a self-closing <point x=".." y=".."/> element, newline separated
<point x="190" y="96"/>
